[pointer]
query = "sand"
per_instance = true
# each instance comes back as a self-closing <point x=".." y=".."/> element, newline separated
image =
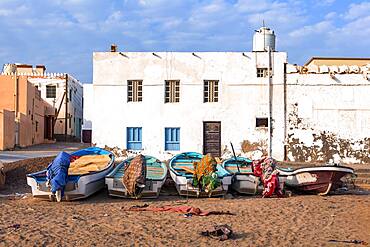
<point x="103" y="221"/>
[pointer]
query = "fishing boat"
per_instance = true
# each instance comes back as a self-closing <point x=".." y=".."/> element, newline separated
<point x="315" y="180"/>
<point x="156" y="173"/>
<point x="182" y="170"/>
<point x="243" y="180"/>
<point x="81" y="183"/>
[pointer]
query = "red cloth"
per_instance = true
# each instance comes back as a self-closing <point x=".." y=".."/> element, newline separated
<point x="179" y="209"/>
<point x="265" y="169"/>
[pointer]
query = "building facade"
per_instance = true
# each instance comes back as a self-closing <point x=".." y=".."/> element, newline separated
<point x="170" y="102"/>
<point x="69" y="109"/>
<point x="25" y="118"/>
<point x="328" y="113"/>
<point x="62" y="91"/>
<point x="163" y="103"/>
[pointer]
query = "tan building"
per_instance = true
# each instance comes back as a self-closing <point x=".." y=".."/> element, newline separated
<point x="62" y="91"/>
<point x="337" y="61"/>
<point x="25" y="118"/>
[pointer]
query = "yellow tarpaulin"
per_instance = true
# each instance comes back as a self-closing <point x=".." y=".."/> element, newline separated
<point x="88" y="163"/>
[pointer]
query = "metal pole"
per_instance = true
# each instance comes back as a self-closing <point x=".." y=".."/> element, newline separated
<point x="270" y="104"/>
<point x="66" y="110"/>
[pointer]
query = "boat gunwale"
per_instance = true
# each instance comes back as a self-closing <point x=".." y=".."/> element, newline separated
<point x="110" y="163"/>
<point x="327" y="168"/>
<point x="224" y="163"/>
<point x="119" y="166"/>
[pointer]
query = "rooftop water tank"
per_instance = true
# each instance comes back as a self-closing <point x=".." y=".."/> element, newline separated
<point x="264" y="38"/>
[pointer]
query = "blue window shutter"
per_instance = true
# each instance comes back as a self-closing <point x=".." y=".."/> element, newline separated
<point x="134" y="138"/>
<point x="172" y="138"/>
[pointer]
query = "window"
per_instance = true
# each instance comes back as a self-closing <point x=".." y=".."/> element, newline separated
<point x="262" y="122"/>
<point x="134" y="138"/>
<point x="172" y="139"/>
<point x="262" y="72"/>
<point x="134" y="91"/>
<point x="210" y="91"/>
<point x="172" y="91"/>
<point x="51" y="91"/>
<point x="37" y="126"/>
<point x="70" y="94"/>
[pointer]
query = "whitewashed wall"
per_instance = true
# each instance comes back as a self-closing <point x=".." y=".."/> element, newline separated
<point x="74" y="105"/>
<point x="329" y="117"/>
<point x="242" y="98"/>
<point x="88" y="109"/>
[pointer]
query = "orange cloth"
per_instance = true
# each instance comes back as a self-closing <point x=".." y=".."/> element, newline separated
<point x="180" y="209"/>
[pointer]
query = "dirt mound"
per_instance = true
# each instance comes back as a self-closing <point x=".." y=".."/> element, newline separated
<point x="16" y="172"/>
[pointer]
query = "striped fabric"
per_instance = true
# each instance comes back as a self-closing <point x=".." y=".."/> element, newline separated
<point x="154" y="170"/>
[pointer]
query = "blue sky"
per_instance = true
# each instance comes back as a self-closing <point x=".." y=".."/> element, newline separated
<point x="63" y="34"/>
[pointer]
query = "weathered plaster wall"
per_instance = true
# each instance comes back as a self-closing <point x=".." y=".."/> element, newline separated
<point x="242" y="98"/>
<point x="7" y="129"/>
<point x="328" y="117"/>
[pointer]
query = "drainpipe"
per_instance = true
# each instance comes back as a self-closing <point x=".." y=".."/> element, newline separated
<point x="270" y="103"/>
<point x="66" y="110"/>
<point x="285" y="115"/>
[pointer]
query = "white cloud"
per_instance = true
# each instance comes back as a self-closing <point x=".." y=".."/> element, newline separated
<point x="318" y="28"/>
<point x="358" y="10"/>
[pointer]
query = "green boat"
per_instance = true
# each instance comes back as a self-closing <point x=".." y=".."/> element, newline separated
<point x="156" y="173"/>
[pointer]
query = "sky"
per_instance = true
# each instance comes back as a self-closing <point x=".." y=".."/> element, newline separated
<point x="63" y="34"/>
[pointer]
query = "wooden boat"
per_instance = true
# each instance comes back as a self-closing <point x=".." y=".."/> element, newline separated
<point x="243" y="180"/>
<point x="156" y="173"/>
<point x="181" y="171"/>
<point x="318" y="179"/>
<point x="79" y="185"/>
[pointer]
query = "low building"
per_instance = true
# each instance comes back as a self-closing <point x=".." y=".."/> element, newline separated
<point x="53" y="88"/>
<point x="338" y="61"/>
<point x="169" y="102"/>
<point x="25" y="118"/>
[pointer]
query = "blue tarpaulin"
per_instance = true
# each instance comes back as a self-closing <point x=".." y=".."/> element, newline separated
<point x="57" y="172"/>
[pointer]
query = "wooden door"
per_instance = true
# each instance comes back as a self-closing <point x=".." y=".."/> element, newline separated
<point x="86" y="136"/>
<point x="212" y="138"/>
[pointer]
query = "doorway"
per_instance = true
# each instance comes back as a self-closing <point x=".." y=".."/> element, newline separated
<point x="212" y="138"/>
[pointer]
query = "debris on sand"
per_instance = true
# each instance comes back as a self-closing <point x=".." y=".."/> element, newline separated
<point x="222" y="232"/>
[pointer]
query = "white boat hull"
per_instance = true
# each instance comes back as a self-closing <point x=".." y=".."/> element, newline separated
<point x="246" y="184"/>
<point x="151" y="190"/>
<point x="185" y="188"/>
<point x="85" y="185"/>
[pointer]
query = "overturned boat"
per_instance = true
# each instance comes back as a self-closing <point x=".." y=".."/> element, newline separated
<point x="156" y="173"/>
<point x="243" y="181"/>
<point x="315" y="180"/>
<point x="182" y="172"/>
<point x="85" y="177"/>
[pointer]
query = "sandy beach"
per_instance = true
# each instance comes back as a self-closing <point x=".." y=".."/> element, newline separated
<point x="101" y="220"/>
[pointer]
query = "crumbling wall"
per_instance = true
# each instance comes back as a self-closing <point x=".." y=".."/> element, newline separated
<point x="306" y="143"/>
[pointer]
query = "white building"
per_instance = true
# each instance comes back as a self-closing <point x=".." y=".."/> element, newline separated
<point x="53" y="90"/>
<point x="163" y="103"/>
<point x="88" y="111"/>
<point x="210" y="98"/>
